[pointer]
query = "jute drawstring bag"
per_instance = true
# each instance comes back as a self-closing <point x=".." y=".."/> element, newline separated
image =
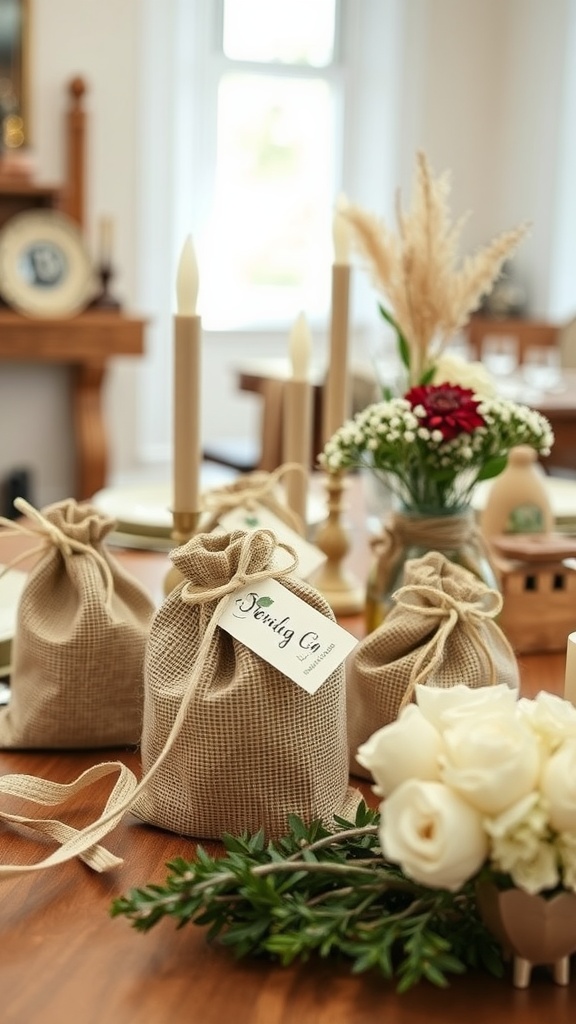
<point x="229" y="743"/>
<point x="254" y="747"/>
<point x="441" y="631"/>
<point x="81" y="632"/>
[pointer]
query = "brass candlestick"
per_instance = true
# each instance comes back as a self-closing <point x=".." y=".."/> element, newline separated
<point x="105" y="298"/>
<point x="342" y="591"/>
<point x="185" y="525"/>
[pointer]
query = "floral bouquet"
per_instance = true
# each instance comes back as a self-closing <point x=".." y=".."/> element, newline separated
<point x="433" y="445"/>
<point x="479" y="789"/>
<point x="478" y="783"/>
<point x="449" y="430"/>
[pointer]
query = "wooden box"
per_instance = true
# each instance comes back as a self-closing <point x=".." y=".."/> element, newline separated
<point x="539" y="590"/>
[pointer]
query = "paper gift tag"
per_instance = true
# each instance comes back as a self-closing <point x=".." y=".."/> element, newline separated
<point x="289" y="634"/>
<point x="310" y="558"/>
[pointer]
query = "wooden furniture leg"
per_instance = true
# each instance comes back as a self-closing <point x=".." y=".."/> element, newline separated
<point x="74" y="197"/>
<point x="89" y="430"/>
<point x="272" y="392"/>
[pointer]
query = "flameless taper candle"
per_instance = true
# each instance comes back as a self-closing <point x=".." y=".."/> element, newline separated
<point x="298" y="417"/>
<point x="187" y="334"/>
<point x="570" y="679"/>
<point x="336" y="390"/>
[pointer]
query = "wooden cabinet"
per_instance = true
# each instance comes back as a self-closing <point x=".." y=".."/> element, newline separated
<point x="527" y="332"/>
<point x="85" y="342"/>
<point x="17" y="196"/>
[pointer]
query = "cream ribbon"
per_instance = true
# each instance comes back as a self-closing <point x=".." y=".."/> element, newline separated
<point x="83" y="842"/>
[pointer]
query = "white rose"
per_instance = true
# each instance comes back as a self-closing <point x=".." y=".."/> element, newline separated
<point x="520" y="845"/>
<point x="552" y="717"/>
<point x="558" y="785"/>
<point x="404" y="749"/>
<point x="442" y="705"/>
<point x="566" y="845"/>
<point x="539" y="873"/>
<point x="492" y="762"/>
<point x="517" y="834"/>
<point x="435" y="836"/>
<point x="451" y="369"/>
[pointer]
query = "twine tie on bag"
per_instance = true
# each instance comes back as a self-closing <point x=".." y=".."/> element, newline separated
<point x="401" y="531"/>
<point x="249" y="491"/>
<point x="83" y="842"/>
<point x="52" y="535"/>
<point x="446" y="612"/>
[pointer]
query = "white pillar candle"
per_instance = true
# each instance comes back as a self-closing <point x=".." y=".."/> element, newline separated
<point x="570" y="678"/>
<point x="105" y="244"/>
<point x="187" y="337"/>
<point x="297" y="420"/>
<point x="336" y="388"/>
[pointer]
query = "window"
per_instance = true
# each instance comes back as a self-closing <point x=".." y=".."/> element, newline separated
<point x="266" y="244"/>
<point x="246" y="142"/>
<point x="301" y="31"/>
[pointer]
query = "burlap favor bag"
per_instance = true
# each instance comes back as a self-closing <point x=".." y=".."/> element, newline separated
<point x="81" y="630"/>
<point x="441" y="631"/>
<point x="252" y="746"/>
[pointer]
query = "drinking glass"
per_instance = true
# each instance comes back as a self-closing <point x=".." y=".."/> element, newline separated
<point x="541" y="367"/>
<point x="500" y="354"/>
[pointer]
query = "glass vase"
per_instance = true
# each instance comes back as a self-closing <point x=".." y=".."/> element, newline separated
<point x="409" y="534"/>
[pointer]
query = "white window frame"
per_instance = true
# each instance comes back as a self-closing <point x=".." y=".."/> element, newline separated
<point x="215" y="65"/>
<point x="180" y="71"/>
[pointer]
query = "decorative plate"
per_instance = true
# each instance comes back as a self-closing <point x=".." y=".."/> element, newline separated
<point x="45" y="269"/>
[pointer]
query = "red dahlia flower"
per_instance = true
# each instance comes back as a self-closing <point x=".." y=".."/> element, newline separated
<point x="450" y="409"/>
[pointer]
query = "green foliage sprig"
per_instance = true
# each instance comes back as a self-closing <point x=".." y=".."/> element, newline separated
<point x="323" y="893"/>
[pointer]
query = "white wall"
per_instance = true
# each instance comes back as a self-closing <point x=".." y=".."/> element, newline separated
<point x="483" y="86"/>
<point x="483" y="91"/>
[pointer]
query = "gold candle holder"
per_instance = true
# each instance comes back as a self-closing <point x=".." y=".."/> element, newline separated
<point x="184" y="527"/>
<point x="342" y="591"/>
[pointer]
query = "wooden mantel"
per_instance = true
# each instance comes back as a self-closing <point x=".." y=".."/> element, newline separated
<point x="85" y="343"/>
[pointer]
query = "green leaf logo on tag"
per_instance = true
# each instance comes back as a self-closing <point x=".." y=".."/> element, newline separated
<point x="264" y="602"/>
<point x="251" y="521"/>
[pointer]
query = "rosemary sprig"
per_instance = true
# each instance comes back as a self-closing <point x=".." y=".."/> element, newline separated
<point x="323" y="893"/>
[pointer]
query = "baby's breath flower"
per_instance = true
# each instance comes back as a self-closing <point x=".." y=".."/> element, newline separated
<point x="433" y="452"/>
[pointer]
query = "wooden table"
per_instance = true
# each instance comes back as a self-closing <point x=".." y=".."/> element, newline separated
<point x="85" y="343"/>
<point x="62" y="957"/>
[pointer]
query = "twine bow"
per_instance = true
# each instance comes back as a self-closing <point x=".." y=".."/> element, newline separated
<point x="83" y="843"/>
<point x="250" y="490"/>
<point x="438" y="533"/>
<point x="51" y="535"/>
<point x="447" y="611"/>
